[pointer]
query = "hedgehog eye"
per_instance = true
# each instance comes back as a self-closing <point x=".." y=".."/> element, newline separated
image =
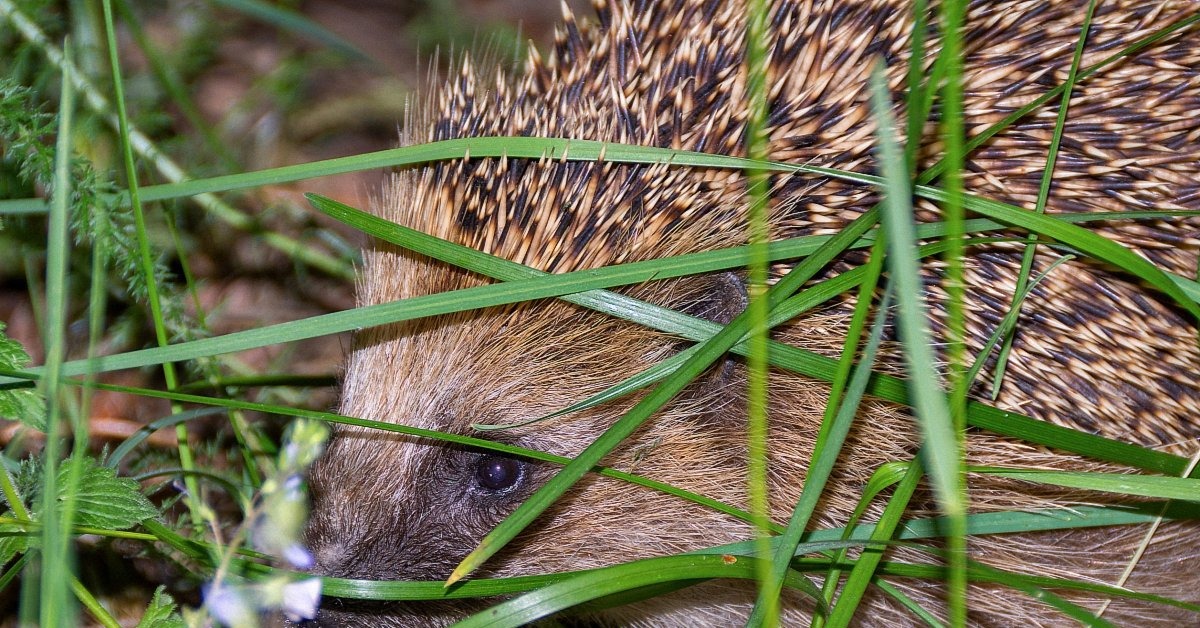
<point x="497" y="474"/>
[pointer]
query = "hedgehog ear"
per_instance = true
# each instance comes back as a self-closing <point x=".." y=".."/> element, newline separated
<point x="719" y="298"/>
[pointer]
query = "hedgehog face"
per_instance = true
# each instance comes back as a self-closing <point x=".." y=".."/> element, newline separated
<point x="393" y="507"/>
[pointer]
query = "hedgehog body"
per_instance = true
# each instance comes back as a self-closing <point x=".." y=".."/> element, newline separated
<point x="1094" y="350"/>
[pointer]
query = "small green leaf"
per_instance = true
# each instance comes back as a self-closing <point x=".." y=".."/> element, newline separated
<point x="13" y="540"/>
<point x="103" y="500"/>
<point x="19" y="404"/>
<point x="161" y="612"/>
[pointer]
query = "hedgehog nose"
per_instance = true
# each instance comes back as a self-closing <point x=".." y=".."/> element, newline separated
<point x="332" y="550"/>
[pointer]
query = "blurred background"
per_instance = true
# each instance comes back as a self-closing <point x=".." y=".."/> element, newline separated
<point x="216" y="87"/>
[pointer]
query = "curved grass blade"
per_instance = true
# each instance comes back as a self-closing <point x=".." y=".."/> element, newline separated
<point x="1156" y="486"/>
<point x="884" y="530"/>
<point x="557" y="597"/>
<point x="294" y="22"/>
<point x="129" y="444"/>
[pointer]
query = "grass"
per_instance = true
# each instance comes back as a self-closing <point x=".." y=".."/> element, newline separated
<point x="124" y="238"/>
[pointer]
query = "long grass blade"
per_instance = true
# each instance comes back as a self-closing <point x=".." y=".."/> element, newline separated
<point x="1156" y="486"/>
<point x="953" y="136"/>
<point x="45" y="595"/>
<point x="1044" y="189"/>
<point x="834" y="429"/>
<point x="288" y="20"/>
<point x="766" y="608"/>
<point x="942" y="447"/>
<point x="785" y="356"/>
<point x="563" y="595"/>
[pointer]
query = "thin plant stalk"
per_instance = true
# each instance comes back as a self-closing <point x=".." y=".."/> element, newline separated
<point x="186" y="460"/>
<point x="953" y="136"/>
<point x="1044" y="189"/>
<point x="758" y="308"/>
<point x="49" y="589"/>
<point x="943" y="458"/>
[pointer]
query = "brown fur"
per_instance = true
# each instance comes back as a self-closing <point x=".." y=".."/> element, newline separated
<point x="1094" y="350"/>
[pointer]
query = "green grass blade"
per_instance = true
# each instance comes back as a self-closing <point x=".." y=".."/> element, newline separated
<point x="288" y="20"/>
<point x="982" y="573"/>
<point x="884" y="530"/>
<point x="587" y="587"/>
<point x="832" y="434"/>
<point x="819" y="540"/>
<point x="942" y="441"/>
<point x="150" y="152"/>
<point x="146" y="255"/>
<point x="45" y="596"/>
<point x="953" y="133"/>
<point x="1044" y="188"/>
<point x="766" y="607"/>
<point x="883" y="386"/>
<point x="89" y="601"/>
<point x="1005" y="522"/>
<point x="918" y="97"/>
<point x="928" y="399"/>
<point x="1156" y="486"/>
<point x="129" y="444"/>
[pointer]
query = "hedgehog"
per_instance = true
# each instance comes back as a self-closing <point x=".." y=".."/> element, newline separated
<point x="1094" y="350"/>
